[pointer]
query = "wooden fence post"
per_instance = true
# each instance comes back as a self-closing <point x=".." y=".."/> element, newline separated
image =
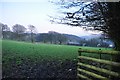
<point x="79" y="54"/>
<point x="116" y="58"/>
<point x="100" y="57"/>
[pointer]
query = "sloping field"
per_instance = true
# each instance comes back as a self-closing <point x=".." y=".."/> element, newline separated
<point x="31" y="60"/>
<point x="40" y="51"/>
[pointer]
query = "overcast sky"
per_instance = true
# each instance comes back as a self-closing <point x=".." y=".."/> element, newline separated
<point x="34" y="12"/>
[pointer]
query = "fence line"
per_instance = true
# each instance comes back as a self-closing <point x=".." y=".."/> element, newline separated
<point x="86" y="69"/>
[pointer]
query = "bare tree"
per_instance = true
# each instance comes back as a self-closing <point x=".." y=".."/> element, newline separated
<point x="101" y="16"/>
<point x="19" y="31"/>
<point x="4" y="29"/>
<point x="32" y="31"/>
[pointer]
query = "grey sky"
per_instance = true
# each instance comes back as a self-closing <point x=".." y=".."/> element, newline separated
<point x="34" y="12"/>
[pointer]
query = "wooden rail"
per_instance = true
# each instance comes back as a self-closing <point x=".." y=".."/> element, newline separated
<point x="86" y="71"/>
<point x="99" y="51"/>
<point x="100" y="61"/>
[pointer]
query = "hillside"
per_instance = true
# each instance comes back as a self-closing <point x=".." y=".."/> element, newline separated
<point x="49" y="36"/>
<point x="73" y="37"/>
<point x="91" y="36"/>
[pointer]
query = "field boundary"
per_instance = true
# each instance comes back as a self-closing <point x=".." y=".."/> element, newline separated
<point x="91" y="68"/>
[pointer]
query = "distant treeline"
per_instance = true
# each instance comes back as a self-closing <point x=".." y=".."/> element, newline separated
<point x="20" y="33"/>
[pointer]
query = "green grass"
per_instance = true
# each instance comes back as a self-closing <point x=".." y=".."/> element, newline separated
<point x="38" y="51"/>
<point x="18" y="50"/>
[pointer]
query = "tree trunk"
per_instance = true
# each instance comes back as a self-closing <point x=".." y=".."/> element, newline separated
<point x="32" y="37"/>
<point x="114" y="31"/>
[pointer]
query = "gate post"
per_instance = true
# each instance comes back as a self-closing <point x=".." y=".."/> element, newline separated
<point x="79" y="54"/>
<point x="116" y="58"/>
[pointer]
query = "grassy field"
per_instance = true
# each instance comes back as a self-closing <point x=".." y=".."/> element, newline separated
<point x="22" y="57"/>
<point x="40" y="51"/>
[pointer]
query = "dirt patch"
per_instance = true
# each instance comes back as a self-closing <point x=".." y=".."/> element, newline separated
<point x="41" y="69"/>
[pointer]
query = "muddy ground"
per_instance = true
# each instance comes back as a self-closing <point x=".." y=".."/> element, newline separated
<point x="40" y="70"/>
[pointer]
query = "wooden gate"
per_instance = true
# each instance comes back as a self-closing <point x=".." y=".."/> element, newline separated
<point x="98" y="68"/>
